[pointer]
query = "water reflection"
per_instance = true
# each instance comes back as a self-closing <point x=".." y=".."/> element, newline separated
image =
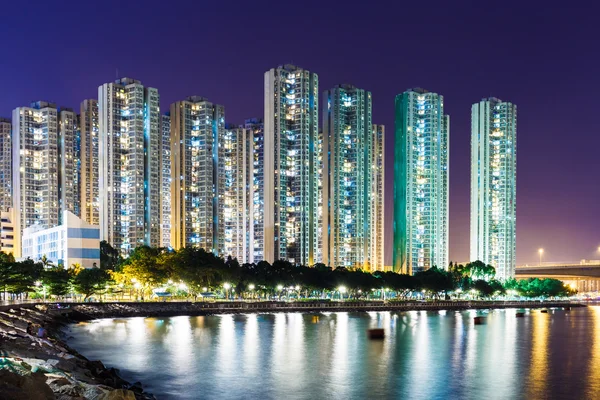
<point x="538" y="371"/>
<point x="429" y="355"/>
<point x="593" y="388"/>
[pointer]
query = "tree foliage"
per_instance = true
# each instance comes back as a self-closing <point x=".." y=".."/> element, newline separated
<point x="192" y="270"/>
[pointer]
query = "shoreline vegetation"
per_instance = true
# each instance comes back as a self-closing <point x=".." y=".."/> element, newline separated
<point x="192" y="273"/>
<point x="47" y="368"/>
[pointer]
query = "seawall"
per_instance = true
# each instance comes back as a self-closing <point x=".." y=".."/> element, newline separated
<point x="90" y="311"/>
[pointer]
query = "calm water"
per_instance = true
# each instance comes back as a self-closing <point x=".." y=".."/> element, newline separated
<point x="425" y="355"/>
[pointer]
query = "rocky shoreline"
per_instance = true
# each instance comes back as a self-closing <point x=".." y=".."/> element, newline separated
<point x="33" y="368"/>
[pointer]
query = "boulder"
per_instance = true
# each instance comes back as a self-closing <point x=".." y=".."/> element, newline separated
<point x="66" y="365"/>
<point x="26" y="387"/>
<point x="118" y="394"/>
<point x="96" y="367"/>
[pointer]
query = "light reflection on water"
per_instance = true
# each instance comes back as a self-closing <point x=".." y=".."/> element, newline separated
<point x="425" y="355"/>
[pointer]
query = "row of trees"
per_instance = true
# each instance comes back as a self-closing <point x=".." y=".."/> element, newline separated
<point x="191" y="271"/>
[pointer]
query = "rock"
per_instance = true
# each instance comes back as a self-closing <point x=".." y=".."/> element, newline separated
<point x="25" y="365"/>
<point x="136" y="387"/>
<point x="56" y="383"/>
<point x="66" y="365"/>
<point x="118" y="394"/>
<point x="96" y="367"/>
<point x="27" y="387"/>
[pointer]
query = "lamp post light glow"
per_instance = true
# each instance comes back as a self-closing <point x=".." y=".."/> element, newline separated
<point x="205" y="289"/>
<point x="541" y="252"/>
<point x="342" y="290"/>
<point x="226" y="286"/>
<point x="280" y="287"/>
<point x="251" y="286"/>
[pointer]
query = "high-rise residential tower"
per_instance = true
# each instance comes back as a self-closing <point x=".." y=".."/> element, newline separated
<point x="292" y="166"/>
<point x="44" y="166"/>
<point x="347" y="177"/>
<point x="129" y="164"/>
<point x="420" y="182"/>
<point x="68" y="155"/>
<point x="235" y="167"/>
<point x="196" y="209"/>
<point x="165" y="181"/>
<point x="494" y="184"/>
<point x="256" y="209"/>
<point x="89" y="140"/>
<point x="5" y="165"/>
<point x="377" y="196"/>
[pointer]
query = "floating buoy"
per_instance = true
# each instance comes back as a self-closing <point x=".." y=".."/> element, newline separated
<point x="520" y="314"/>
<point x="479" y="320"/>
<point x="376" y="333"/>
<point x="544" y="311"/>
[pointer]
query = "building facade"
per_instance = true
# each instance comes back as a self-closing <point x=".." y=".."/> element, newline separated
<point x="235" y="166"/>
<point x="196" y="209"/>
<point x="129" y="164"/>
<point x="494" y="184"/>
<point x="292" y="166"/>
<point x="165" y="181"/>
<point x="5" y="165"/>
<point x="347" y="177"/>
<point x="72" y="242"/>
<point x="421" y="169"/>
<point x="68" y="156"/>
<point x="44" y="166"/>
<point x="256" y="175"/>
<point x="377" y="197"/>
<point x="7" y="231"/>
<point x="89" y="173"/>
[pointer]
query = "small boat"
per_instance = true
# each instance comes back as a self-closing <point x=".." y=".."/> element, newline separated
<point x="376" y="333"/>
<point x="479" y="320"/>
<point x="544" y="311"/>
<point x="520" y="314"/>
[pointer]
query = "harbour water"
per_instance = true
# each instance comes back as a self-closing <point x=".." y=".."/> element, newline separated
<point x="424" y="355"/>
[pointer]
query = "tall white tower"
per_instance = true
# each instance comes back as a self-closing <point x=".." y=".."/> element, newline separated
<point x="129" y="164"/>
<point x="494" y="184"/>
<point x="292" y="166"/>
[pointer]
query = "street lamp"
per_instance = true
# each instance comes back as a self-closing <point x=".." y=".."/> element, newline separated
<point x="541" y="251"/>
<point x="342" y="290"/>
<point x="226" y="286"/>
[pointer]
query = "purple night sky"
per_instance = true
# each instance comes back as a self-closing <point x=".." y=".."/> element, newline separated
<point x="541" y="58"/>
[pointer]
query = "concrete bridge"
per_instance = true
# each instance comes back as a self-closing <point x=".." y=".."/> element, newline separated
<point x="583" y="275"/>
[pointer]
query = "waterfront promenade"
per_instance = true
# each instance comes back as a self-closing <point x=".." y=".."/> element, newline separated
<point x="90" y="311"/>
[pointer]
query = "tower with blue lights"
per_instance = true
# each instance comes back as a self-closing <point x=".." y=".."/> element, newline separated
<point x="292" y="166"/>
<point x="129" y="164"/>
<point x="421" y="171"/>
<point x="347" y="177"/>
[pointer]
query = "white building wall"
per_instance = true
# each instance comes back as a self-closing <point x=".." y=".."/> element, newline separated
<point x="73" y="242"/>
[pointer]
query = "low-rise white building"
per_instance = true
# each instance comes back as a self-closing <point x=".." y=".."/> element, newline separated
<point x="73" y="242"/>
